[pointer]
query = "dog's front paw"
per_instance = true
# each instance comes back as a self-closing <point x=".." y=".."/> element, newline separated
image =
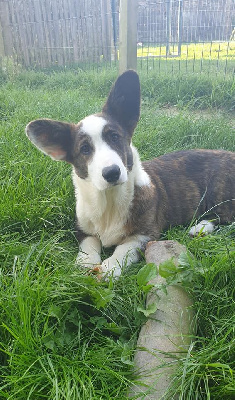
<point x="89" y="261"/>
<point x="111" y="267"/>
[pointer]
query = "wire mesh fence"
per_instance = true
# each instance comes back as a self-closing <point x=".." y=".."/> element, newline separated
<point x="186" y="35"/>
<point x="173" y="35"/>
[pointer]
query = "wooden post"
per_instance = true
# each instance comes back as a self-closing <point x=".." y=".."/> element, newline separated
<point x="2" y="48"/>
<point x="180" y="26"/>
<point x="128" y="35"/>
<point x="168" y="27"/>
<point x="107" y="32"/>
<point x="6" y="45"/>
<point x="115" y="44"/>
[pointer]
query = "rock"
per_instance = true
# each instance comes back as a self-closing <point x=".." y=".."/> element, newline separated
<point x="167" y="334"/>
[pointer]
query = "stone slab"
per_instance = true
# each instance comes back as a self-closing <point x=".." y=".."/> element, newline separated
<point x="169" y="330"/>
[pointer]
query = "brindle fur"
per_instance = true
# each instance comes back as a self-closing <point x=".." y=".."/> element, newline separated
<point x="185" y="184"/>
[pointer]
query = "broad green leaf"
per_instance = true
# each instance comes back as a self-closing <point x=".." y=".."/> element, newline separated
<point x="112" y="327"/>
<point x="55" y="311"/>
<point x="126" y="355"/>
<point x="49" y="342"/>
<point x="150" y="309"/>
<point x="184" y="259"/>
<point x="147" y="288"/>
<point x="99" y="322"/>
<point x="102" y="297"/>
<point x="167" y="268"/>
<point x="146" y="273"/>
<point x="126" y="360"/>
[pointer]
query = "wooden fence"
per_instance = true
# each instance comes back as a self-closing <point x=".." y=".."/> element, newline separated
<point x="41" y="33"/>
<point x="62" y="32"/>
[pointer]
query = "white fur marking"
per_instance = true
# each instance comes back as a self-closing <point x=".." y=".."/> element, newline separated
<point x="102" y="210"/>
<point x="204" y="228"/>
<point x="124" y="255"/>
<point x="89" y="252"/>
<point x="93" y="125"/>
<point x="103" y="213"/>
<point x="103" y="156"/>
<point x="141" y="176"/>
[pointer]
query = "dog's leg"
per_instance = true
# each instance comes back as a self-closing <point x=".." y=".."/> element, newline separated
<point x="202" y="228"/>
<point x="124" y="255"/>
<point x="89" y="252"/>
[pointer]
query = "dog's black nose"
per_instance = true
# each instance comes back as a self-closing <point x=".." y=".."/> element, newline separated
<point x="111" y="174"/>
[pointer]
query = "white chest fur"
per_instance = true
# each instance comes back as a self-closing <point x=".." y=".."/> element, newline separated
<point x="103" y="213"/>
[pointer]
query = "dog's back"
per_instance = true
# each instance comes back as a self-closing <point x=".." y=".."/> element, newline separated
<point x="184" y="185"/>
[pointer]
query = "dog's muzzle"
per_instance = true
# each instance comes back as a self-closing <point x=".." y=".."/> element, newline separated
<point x="111" y="174"/>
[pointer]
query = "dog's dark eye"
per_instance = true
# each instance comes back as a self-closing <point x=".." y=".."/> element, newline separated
<point x="85" y="149"/>
<point x="113" y="137"/>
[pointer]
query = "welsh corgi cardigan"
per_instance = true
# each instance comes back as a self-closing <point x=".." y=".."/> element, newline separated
<point x="119" y="200"/>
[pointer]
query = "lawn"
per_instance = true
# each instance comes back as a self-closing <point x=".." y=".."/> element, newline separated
<point x="206" y="57"/>
<point x="190" y="51"/>
<point x="63" y="335"/>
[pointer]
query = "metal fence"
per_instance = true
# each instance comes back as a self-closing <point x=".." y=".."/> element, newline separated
<point x="179" y="33"/>
<point x="185" y="20"/>
<point x="189" y="34"/>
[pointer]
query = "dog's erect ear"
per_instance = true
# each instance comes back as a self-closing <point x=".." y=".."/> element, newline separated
<point x="51" y="137"/>
<point x="123" y="103"/>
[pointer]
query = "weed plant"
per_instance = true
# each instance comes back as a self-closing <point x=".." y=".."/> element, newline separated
<point x="63" y="334"/>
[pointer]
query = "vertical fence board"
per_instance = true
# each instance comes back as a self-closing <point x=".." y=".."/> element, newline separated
<point x="106" y="32"/>
<point x="6" y="28"/>
<point x="2" y="48"/>
<point x="38" y="36"/>
<point x="22" y="23"/>
<point x="55" y="27"/>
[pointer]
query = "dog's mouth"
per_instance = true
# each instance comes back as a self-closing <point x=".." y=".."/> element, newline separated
<point x="115" y="184"/>
<point x="104" y="185"/>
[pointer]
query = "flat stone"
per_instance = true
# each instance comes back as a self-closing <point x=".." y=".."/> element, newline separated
<point x="168" y="333"/>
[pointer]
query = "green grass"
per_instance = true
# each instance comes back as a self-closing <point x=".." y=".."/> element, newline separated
<point x="208" y="57"/>
<point x="63" y="335"/>
<point x="192" y="51"/>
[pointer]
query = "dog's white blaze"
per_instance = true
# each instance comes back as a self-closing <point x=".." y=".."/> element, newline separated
<point x="103" y="156"/>
<point x="93" y="125"/>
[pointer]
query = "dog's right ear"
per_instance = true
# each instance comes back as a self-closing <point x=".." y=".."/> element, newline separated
<point x="51" y="137"/>
<point x="123" y="103"/>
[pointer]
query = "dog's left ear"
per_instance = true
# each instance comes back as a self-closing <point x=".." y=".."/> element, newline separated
<point x="53" y="138"/>
<point x="123" y="103"/>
